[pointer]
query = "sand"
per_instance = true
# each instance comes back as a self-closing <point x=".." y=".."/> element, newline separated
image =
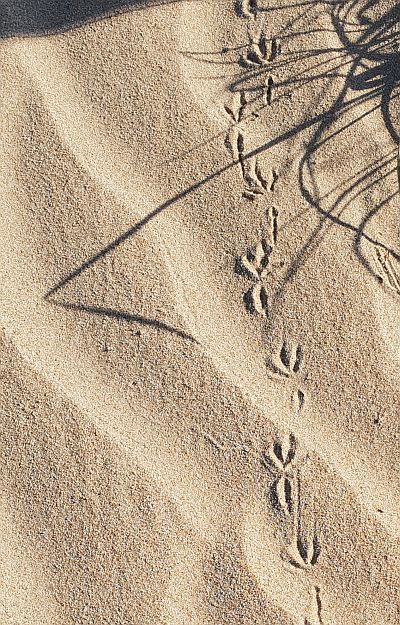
<point x="199" y="307"/>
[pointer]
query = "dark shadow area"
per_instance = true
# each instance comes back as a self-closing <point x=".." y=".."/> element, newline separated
<point x="365" y="64"/>
<point x="41" y="17"/>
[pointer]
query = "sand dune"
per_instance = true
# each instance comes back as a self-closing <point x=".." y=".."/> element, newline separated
<point x="199" y="313"/>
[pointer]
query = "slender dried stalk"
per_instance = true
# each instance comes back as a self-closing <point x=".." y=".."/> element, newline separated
<point x="398" y="166"/>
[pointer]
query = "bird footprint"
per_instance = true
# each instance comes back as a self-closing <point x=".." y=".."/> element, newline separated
<point x="288" y="362"/>
<point x="304" y="553"/>
<point x="256" y="259"/>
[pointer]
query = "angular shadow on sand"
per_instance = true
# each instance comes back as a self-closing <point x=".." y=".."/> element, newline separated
<point x="367" y="63"/>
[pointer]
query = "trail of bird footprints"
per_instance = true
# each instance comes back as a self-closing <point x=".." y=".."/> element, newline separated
<point x="256" y="182"/>
<point x="283" y="459"/>
<point x="260" y="53"/>
<point x="303" y="548"/>
<point x="284" y="462"/>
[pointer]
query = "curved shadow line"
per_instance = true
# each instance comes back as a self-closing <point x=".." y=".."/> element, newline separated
<point x="360" y="233"/>
<point x="124" y="316"/>
<point x="386" y="98"/>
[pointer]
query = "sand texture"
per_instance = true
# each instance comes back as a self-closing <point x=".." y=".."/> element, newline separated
<point x="200" y="312"/>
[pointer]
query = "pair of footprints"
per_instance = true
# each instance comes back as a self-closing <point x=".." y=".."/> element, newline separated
<point x="255" y="265"/>
<point x="255" y="181"/>
<point x="287" y="363"/>
<point x="280" y="459"/>
<point x="261" y="52"/>
<point x="261" y="49"/>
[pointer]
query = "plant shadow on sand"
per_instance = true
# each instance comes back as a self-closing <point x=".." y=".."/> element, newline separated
<point x="369" y="86"/>
<point x="366" y="63"/>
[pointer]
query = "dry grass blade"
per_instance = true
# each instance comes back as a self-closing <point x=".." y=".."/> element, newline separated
<point x="398" y="166"/>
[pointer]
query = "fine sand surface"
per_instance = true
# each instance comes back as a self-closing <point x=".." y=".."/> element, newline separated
<point x="200" y="313"/>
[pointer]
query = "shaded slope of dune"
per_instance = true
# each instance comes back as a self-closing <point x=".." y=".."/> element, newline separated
<point x="42" y="17"/>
